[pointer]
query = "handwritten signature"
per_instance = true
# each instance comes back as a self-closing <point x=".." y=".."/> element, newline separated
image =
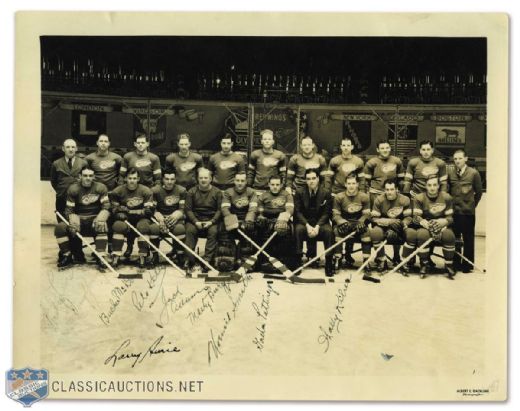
<point x="327" y="332"/>
<point x="262" y="311"/>
<point x="138" y="357"/>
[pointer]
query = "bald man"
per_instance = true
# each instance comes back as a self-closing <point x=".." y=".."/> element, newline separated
<point x="64" y="172"/>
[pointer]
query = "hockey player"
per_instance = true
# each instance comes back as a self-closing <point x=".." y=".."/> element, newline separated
<point x="345" y="164"/>
<point x="264" y="163"/>
<point x="105" y="163"/>
<point x="420" y="168"/>
<point x="382" y="168"/>
<point x="64" y="172"/>
<point x="225" y="164"/>
<point x="87" y="211"/>
<point x="299" y="163"/>
<point x="466" y="190"/>
<point x="432" y="217"/>
<point x="169" y="199"/>
<point x="391" y="212"/>
<point x="147" y="164"/>
<point x="313" y="206"/>
<point x="351" y="212"/>
<point x="184" y="163"/>
<point x="239" y="205"/>
<point x="275" y="208"/>
<point x="132" y="202"/>
<point x="203" y="210"/>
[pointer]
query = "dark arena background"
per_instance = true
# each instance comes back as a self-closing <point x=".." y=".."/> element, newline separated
<point x="403" y="89"/>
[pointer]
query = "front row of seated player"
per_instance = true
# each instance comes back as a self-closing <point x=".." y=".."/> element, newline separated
<point x="134" y="211"/>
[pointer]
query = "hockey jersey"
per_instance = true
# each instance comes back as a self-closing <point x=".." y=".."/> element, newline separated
<point x="184" y="167"/>
<point x="148" y="165"/>
<point x="86" y="201"/>
<point x="262" y="166"/>
<point x="168" y="201"/>
<point x="378" y="169"/>
<point x="225" y="166"/>
<point x="429" y="208"/>
<point x="203" y="205"/>
<point x="243" y="205"/>
<point x="135" y="200"/>
<point x="350" y="207"/>
<point x="340" y="167"/>
<point x="106" y="167"/>
<point x="271" y="205"/>
<point x="297" y="166"/>
<point x="398" y="208"/>
<point x="418" y="171"/>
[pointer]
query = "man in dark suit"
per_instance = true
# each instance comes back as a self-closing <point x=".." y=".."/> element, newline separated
<point x="313" y="205"/>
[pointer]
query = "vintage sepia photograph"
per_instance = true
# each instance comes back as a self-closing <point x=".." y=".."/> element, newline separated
<point x="261" y="211"/>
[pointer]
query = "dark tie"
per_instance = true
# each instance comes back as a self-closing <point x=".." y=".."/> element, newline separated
<point x="459" y="172"/>
<point x="69" y="163"/>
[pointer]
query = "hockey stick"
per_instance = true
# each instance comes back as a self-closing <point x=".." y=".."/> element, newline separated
<point x="273" y="260"/>
<point x="135" y="230"/>
<point x="192" y="252"/>
<point x="482" y="270"/>
<point x="417" y="251"/>
<point x="84" y="241"/>
<point x="369" y="259"/>
<point x="251" y="260"/>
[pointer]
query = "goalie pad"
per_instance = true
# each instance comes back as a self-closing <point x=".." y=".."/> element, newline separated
<point x="231" y="222"/>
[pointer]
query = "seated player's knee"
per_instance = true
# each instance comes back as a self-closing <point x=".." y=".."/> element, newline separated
<point x="119" y="227"/>
<point x="423" y="235"/>
<point x="191" y="229"/>
<point x="154" y="229"/>
<point x="377" y="234"/>
<point x="60" y="230"/>
<point x="411" y="236"/>
<point x="448" y="237"/>
<point x="143" y="226"/>
<point x="179" y="229"/>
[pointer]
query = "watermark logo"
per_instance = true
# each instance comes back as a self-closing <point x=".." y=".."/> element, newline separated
<point x="27" y="385"/>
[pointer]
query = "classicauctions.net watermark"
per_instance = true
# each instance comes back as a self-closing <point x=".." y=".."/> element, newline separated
<point x="135" y="386"/>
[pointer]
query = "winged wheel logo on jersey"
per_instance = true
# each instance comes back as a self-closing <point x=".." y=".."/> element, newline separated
<point x="270" y="161"/>
<point x="354" y="208"/>
<point x="348" y="168"/>
<point x="429" y="170"/>
<point x="242" y="202"/>
<point x="278" y="202"/>
<point x="89" y="199"/>
<point x="437" y="208"/>
<point x="134" y="202"/>
<point x="106" y="164"/>
<point x="466" y="188"/>
<point x="395" y="212"/>
<point x="171" y="200"/>
<point x="388" y="167"/>
<point x="227" y="164"/>
<point x="311" y="165"/>
<point x="187" y="166"/>
<point x="142" y="163"/>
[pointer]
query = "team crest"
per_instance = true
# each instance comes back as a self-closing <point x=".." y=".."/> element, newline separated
<point x="142" y="163"/>
<point x="354" y="208"/>
<point x="395" y="212"/>
<point x="430" y="170"/>
<point x="242" y="202"/>
<point x="465" y="189"/>
<point x="171" y="200"/>
<point x="134" y="202"/>
<point x="187" y="166"/>
<point x="437" y="208"/>
<point x="89" y="199"/>
<point x="388" y="168"/>
<point x="311" y="165"/>
<point x="278" y="202"/>
<point x="27" y="385"/>
<point x="227" y="164"/>
<point x="348" y="168"/>
<point x="106" y="164"/>
<point x="269" y="161"/>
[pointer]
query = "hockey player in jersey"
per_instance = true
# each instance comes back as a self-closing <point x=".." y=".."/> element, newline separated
<point x="299" y="163"/>
<point x="105" y="163"/>
<point x="420" y="168"/>
<point x="379" y="169"/>
<point x="168" y="199"/>
<point x="345" y="164"/>
<point x="147" y="164"/>
<point x="432" y="218"/>
<point x="225" y="164"/>
<point x="391" y="212"/>
<point x="132" y="202"/>
<point x="87" y="211"/>
<point x="203" y="211"/>
<point x="185" y="163"/>
<point x="239" y="205"/>
<point x="275" y="209"/>
<point x="351" y="212"/>
<point x="265" y="163"/>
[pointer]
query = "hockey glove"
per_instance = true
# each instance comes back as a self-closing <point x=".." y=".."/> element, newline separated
<point x="262" y="222"/>
<point x="121" y="216"/>
<point x="248" y="226"/>
<point x="344" y="228"/>
<point x="282" y="228"/>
